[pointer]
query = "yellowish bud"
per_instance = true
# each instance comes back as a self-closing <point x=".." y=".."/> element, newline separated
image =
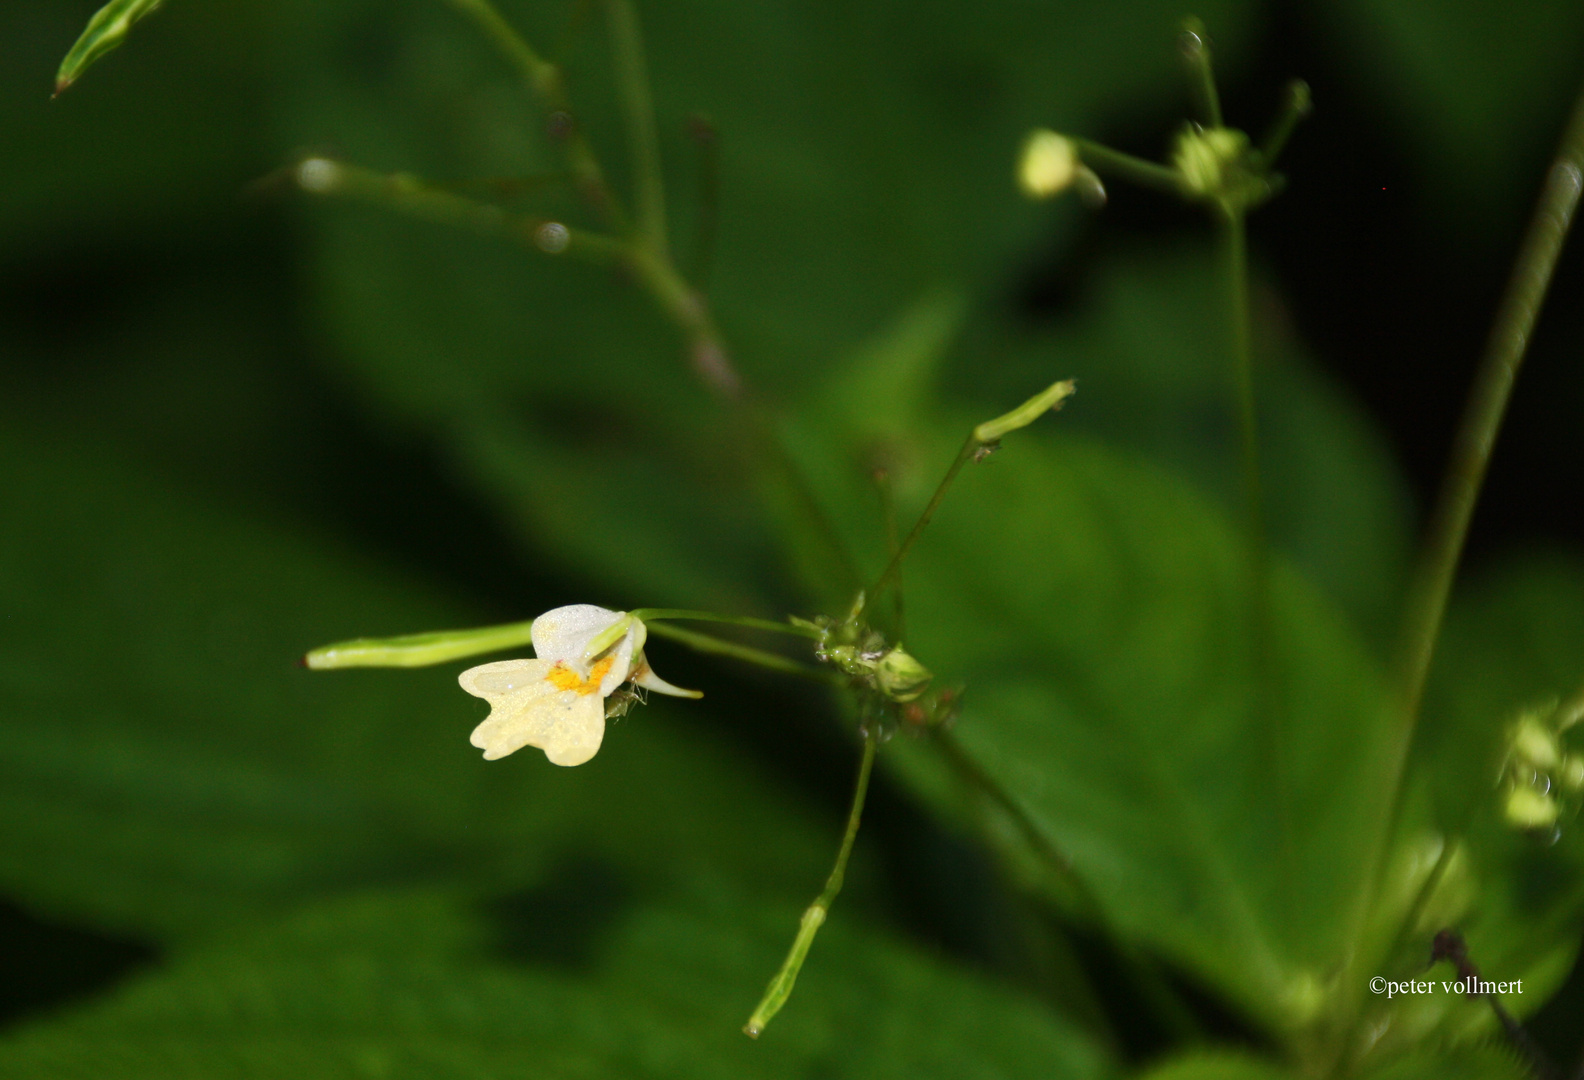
<point x="1049" y="164"/>
<point x="1535" y="745"/>
<point x="1204" y="158"/>
<point x="1530" y="808"/>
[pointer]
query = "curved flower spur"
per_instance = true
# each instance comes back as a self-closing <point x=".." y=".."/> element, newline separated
<point x="559" y="701"/>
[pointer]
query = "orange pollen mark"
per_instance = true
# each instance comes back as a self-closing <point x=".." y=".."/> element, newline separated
<point x="564" y="678"/>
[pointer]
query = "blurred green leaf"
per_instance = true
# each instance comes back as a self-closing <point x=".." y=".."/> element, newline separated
<point x="105" y="31"/>
<point x="170" y="771"/>
<point x="1215" y="1065"/>
<point x="429" y="984"/>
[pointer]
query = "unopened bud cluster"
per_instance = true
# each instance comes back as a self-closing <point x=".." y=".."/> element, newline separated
<point x="898" y="685"/>
<point x="1541" y="780"/>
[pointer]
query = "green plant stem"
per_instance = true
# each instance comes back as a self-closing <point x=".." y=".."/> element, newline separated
<point x="648" y="255"/>
<point x="715" y="646"/>
<point x="648" y="615"/>
<point x="1195" y="45"/>
<point x="1235" y="234"/>
<point x="1108" y="162"/>
<point x="1472" y="447"/>
<point x="888" y="516"/>
<point x="1294" y="108"/>
<point x="546" y="81"/>
<point x="632" y="76"/>
<point x="893" y="568"/>
<point x="780" y="988"/>
<point x="1482" y="418"/>
<point x="1260" y="613"/>
<point x="409" y="195"/>
<point x="707" y="140"/>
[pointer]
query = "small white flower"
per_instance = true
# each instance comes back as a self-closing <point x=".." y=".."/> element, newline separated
<point x="557" y="701"/>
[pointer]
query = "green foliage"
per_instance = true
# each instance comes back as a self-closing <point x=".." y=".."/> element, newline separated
<point x="435" y="984"/>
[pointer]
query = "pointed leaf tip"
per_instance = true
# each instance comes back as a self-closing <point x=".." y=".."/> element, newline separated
<point x="107" y="29"/>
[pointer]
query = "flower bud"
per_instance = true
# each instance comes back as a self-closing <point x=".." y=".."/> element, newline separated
<point x="1534" y="744"/>
<point x="1530" y="808"/>
<point x="1049" y="164"/>
<point x="900" y="677"/>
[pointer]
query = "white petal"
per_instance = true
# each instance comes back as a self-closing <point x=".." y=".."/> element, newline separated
<point x="564" y="633"/>
<point x="504" y="677"/>
<point x="528" y="709"/>
<point x="645" y="677"/>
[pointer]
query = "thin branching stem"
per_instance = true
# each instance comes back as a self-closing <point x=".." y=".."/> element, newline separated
<point x="651" y="615"/>
<point x="545" y="79"/>
<point x="407" y="194"/>
<point x="1137" y="170"/>
<point x="715" y="646"/>
<point x="893" y="570"/>
<point x="1195" y="45"/>
<point x="1295" y="107"/>
<point x="888" y="517"/>
<point x="1482" y="418"/>
<point x="632" y="77"/>
<point x="780" y="988"/>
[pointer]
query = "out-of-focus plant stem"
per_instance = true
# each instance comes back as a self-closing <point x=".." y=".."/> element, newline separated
<point x="632" y="76"/>
<point x="1482" y="418"/>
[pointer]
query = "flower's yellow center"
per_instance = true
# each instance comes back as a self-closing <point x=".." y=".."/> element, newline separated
<point x="564" y="678"/>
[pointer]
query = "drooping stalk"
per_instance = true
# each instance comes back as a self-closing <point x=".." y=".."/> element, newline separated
<point x="780" y="988"/>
